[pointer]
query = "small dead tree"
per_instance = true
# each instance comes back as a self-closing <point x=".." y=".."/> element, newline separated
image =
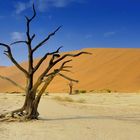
<point x="71" y="86"/>
<point x="33" y="94"/>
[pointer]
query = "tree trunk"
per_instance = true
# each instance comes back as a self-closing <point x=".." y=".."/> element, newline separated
<point x="30" y="107"/>
<point x="70" y="90"/>
<point x="71" y="87"/>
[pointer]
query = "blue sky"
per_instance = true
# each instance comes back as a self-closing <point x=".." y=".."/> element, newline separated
<point x="86" y="23"/>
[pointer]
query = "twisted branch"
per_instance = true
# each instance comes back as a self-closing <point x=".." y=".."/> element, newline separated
<point x="52" y="64"/>
<point x="44" y="57"/>
<point x="69" y="55"/>
<point x="8" y="53"/>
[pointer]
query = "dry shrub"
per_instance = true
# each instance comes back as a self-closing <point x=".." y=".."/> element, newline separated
<point x="63" y="99"/>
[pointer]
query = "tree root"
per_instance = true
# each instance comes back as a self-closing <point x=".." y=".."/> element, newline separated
<point x="18" y="115"/>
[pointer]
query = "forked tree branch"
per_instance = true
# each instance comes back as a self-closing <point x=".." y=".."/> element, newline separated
<point x="62" y="58"/>
<point x="51" y="76"/>
<point x="63" y="64"/>
<point x="69" y="55"/>
<point x="47" y="81"/>
<point x="46" y="39"/>
<point x="56" y="71"/>
<point x="51" y="65"/>
<point x="34" y="14"/>
<point x="44" y="58"/>
<point x="13" y="82"/>
<point x="8" y="53"/>
<point x="62" y="68"/>
<point x="28" y="26"/>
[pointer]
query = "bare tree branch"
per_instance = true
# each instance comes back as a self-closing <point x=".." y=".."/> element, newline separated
<point x="70" y="55"/>
<point x="67" y="67"/>
<point x="50" y="78"/>
<point x="61" y="68"/>
<point x="66" y="70"/>
<point x="44" y="57"/>
<point x="34" y="11"/>
<point x="13" y="82"/>
<point x="8" y="53"/>
<point x="60" y="59"/>
<point x="44" y="74"/>
<point x="50" y="66"/>
<point x="28" y="26"/>
<point x="64" y="63"/>
<point x="46" y="39"/>
<point x="33" y="36"/>
<point x="66" y="77"/>
<point x="17" y="42"/>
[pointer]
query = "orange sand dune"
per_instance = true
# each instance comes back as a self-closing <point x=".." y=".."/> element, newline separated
<point x="117" y="69"/>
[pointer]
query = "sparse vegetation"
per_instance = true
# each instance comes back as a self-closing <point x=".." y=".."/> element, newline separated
<point x="64" y="99"/>
<point x="23" y="94"/>
<point x="46" y="93"/>
<point x="81" y="101"/>
<point x="15" y="92"/>
<point x="79" y="91"/>
<point x="83" y="91"/>
<point x="68" y="99"/>
<point x="76" y="91"/>
<point x="102" y="91"/>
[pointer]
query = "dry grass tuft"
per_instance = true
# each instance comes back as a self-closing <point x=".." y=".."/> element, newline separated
<point x="69" y="99"/>
<point x="81" y="101"/>
<point x="63" y="99"/>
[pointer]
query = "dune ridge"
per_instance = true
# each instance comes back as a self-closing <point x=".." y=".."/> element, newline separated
<point x="117" y="69"/>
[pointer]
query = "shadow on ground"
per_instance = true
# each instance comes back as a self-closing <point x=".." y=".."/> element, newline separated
<point x="133" y="118"/>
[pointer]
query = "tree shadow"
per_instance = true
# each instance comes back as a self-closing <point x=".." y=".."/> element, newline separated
<point x="132" y="118"/>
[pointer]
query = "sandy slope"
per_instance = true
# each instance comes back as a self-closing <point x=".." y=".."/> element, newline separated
<point x="110" y="68"/>
<point x="101" y="117"/>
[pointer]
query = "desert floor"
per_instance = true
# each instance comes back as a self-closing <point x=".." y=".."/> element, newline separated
<point x="98" y="116"/>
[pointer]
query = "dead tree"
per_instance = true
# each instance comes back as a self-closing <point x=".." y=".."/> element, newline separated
<point x="33" y="94"/>
<point x="71" y="86"/>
